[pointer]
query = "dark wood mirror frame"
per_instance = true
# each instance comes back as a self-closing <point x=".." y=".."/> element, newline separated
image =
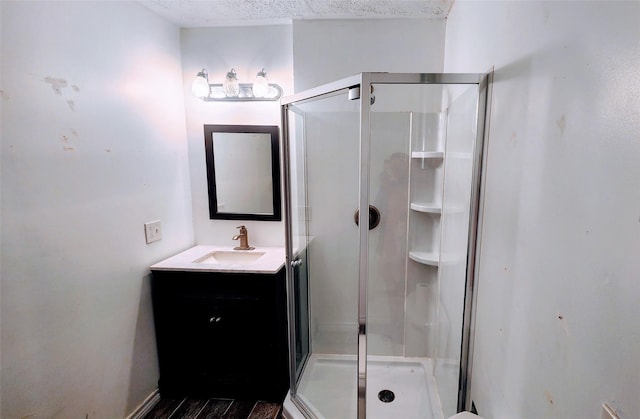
<point x="273" y="131"/>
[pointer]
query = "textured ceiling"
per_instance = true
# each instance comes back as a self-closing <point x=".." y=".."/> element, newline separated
<point x="200" y="13"/>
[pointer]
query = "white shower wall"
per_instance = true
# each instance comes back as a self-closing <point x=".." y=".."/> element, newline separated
<point x="556" y="330"/>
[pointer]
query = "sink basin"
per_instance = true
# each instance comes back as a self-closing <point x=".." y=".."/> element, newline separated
<point x="206" y="258"/>
<point x="236" y="257"/>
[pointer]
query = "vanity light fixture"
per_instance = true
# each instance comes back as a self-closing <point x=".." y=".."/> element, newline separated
<point x="260" y="86"/>
<point x="231" y="86"/>
<point x="200" y="86"/>
<point x="233" y="91"/>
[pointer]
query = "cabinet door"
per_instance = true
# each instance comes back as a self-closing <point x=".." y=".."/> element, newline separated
<point x="220" y="335"/>
<point x="228" y="332"/>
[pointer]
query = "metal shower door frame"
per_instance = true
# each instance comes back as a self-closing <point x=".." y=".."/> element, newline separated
<point x="363" y="82"/>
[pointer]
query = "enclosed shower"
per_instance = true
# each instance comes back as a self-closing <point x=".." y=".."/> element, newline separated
<point x="382" y="197"/>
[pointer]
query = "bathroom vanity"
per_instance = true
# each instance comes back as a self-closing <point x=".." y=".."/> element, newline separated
<point x="220" y="319"/>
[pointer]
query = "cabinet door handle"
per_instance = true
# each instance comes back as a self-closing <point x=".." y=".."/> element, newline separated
<point x="296" y="262"/>
<point x="215" y="319"/>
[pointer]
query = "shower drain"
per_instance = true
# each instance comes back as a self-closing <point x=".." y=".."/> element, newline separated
<point x="386" y="396"/>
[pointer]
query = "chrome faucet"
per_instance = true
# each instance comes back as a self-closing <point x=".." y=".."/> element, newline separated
<point x="244" y="239"/>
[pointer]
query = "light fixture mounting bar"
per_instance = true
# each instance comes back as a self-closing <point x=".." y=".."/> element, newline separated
<point x="246" y="93"/>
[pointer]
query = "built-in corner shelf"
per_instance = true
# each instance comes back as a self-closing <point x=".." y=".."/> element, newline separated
<point x="426" y="207"/>
<point x="426" y="258"/>
<point x="427" y="154"/>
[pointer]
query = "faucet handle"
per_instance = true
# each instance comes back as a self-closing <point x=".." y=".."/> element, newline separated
<point x="243" y="229"/>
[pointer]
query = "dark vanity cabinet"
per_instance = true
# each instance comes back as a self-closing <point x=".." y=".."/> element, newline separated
<point x="221" y="334"/>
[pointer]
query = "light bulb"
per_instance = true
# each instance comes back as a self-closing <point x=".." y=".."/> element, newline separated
<point x="200" y="86"/>
<point x="230" y="85"/>
<point x="260" y="85"/>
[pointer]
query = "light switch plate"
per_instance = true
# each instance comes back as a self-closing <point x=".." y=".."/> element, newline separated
<point x="152" y="231"/>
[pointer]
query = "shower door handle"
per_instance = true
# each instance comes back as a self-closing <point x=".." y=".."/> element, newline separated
<point x="374" y="217"/>
<point x="296" y="262"/>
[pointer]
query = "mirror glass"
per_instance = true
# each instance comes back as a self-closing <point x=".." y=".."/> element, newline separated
<point x="243" y="172"/>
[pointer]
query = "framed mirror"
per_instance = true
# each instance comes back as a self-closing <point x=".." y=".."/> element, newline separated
<point x="243" y="172"/>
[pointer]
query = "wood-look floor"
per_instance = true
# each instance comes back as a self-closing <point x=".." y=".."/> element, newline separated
<point x="214" y="408"/>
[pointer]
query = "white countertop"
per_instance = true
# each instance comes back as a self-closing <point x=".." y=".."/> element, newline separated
<point x="270" y="262"/>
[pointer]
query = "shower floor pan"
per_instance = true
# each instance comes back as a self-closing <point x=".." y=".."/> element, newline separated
<point x="328" y="386"/>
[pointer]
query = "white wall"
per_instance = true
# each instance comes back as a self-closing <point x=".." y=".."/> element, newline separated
<point x="557" y="316"/>
<point x="93" y="146"/>
<point x="329" y="50"/>
<point x="247" y="49"/>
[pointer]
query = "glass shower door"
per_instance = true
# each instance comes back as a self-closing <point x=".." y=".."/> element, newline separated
<point x="324" y="149"/>
<point x="422" y="139"/>
<point x="407" y="143"/>
<point x="381" y="313"/>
